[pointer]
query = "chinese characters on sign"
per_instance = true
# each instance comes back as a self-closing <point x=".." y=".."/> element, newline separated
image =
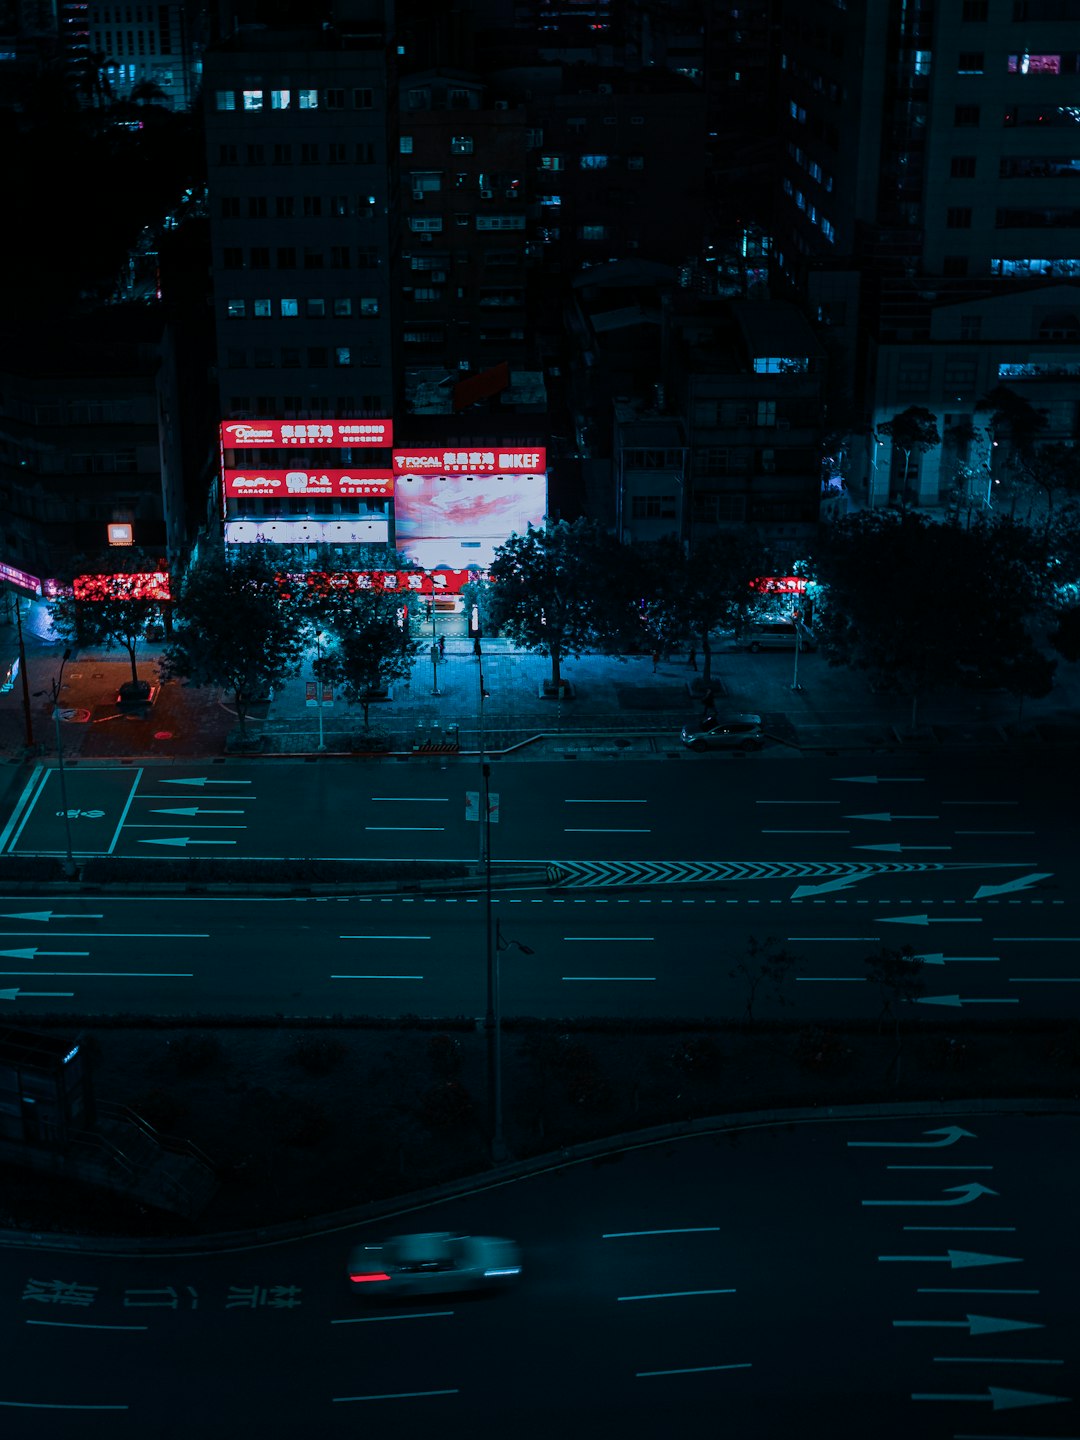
<point x="305" y="434"/>
<point x="420" y="582"/>
<point x="472" y="462"/>
<point x="332" y="483"/>
<point x="164" y="1297"/>
<point x="152" y="586"/>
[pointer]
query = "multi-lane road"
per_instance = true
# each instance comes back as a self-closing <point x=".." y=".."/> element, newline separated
<point x="880" y="1277"/>
<point x="970" y="866"/>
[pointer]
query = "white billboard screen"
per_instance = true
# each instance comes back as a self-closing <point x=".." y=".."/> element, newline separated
<point x="468" y="507"/>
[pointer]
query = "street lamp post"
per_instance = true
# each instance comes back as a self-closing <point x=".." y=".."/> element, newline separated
<point x="27" y="718"/>
<point x="498" y="1147"/>
<point x="319" y="683"/>
<point x="70" y="869"/>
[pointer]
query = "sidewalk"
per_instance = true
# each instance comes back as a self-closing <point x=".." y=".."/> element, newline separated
<point x="621" y="704"/>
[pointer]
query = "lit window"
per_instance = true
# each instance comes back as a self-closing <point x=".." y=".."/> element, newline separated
<point x="405" y="145"/>
<point x="261" y="308"/>
<point x="369" y="306"/>
<point x="342" y="308"/>
<point x="551" y="162"/>
<point x="235" y="309"/>
<point x="225" y="100"/>
<point x="253" y="99"/>
<point x="1026" y="64"/>
<point x="425" y="293"/>
<point x="922" y="62"/>
<point x="550" y="200"/>
<point x="316" y="308"/>
<point x="280" y="99"/>
<point x="307" y="99"/>
<point x="594" y="162"/>
<point x="461" y="145"/>
<point x="290" y="307"/>
<point x="342" y="357"/>
<point x="594" y="232"/>
<point x="635" y="162"/>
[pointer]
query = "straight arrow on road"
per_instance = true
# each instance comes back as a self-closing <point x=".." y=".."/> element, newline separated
<point x="37" y="994"/>
<point x="202" y="780"/>
<point x="183" y="840"/>
<point x="973" y="1324"/>
<point x="927" y="920"/>
<point x="964" y="1194"/>
<point x="947" y="1135"/>
<point x="1002" y="1399"/>
<point x="45" y="915"/>
<point x="32" y="953"/>
<point x="955" y="1259"/>
<point x="956" y="1001"/>
<point x="896" y="849"/>
<point x="888" y="816"/>
<point x="195" y="810"/>
<point x="939" y="959"/>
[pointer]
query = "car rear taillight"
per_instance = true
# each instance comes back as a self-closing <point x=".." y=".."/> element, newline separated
<point x="359" y="1279"/>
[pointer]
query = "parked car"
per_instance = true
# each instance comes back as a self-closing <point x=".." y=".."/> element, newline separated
<point x="439" y="1263"/>
<point x="777" y="635"/>
<point x="725" y="732"/>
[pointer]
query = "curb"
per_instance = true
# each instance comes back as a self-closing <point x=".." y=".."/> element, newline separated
<point x="523" y="1170"/>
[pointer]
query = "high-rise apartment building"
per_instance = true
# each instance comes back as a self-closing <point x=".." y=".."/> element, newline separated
<point x="927" y="156"/>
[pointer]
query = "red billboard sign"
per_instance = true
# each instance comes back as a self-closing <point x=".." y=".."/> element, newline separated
<point x="470" y="462"/>
<point x="305" y="434"/>
<point x="416" y="582"/>
<point x="334" y="483"/>
<point x="153" y="585"/>
<point x="778" y="585"/>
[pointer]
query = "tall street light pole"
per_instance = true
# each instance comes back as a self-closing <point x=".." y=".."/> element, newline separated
<point x="498" y="1147"/>
<point x="319" y="683"/>
<point x="70" y="869"/>
<point x="27" y="717"/>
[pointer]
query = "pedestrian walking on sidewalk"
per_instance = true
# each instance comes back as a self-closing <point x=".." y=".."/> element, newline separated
<point x="655" y="660"/>
<point x="691" y="659"/>
<point x="442" y="647"/>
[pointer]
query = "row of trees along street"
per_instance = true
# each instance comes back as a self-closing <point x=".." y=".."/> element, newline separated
<point x="917" y="604"/>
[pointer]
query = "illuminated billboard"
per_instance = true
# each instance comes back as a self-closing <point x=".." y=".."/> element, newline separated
<point x="470" y="462"/>
<point x="467" y="507"/>
<point x="153" y="585"/>
<point x="305" y="434"/>
<point x="336" y="484"/>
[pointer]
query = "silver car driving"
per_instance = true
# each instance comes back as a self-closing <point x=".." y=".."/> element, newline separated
<point x="438" y="1263"/>
<point x="725" y="732"/>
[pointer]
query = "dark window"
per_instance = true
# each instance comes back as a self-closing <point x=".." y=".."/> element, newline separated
<point x="365" y="153"/>
<point x="286" y="257"/>
<point x="309" y="154"/>
<point x="230" y="207"/>
<point x="339" y="257"/>
<point x="313" y="259"/>
<point x="337" y="153"/>
<point x="363" y="99"/>
<point x="970" y="63"/>
<point x="284" y="207"/>
<point x="260" y="257"/>
<point x="312" y="206"/>
<point x="962" y="167"/>
<point x="256" y="154"/>
<point x="233" y="258"/>
<point x="970" y="327"/>
<point x="282" y="154"/>
<point x="955" y="265"/>
<point x="228" y="155"/>
<point x="966" y="116"/>
<point x="256" y="207"/>
<point x="958" y="217"/>
<point x="317" y="357"/>
<point x="975" y="10"/>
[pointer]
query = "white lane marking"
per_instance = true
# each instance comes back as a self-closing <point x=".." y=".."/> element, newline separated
<point x="980" y="802"/>
<point x="378" y="1319"/>
<point x="606" y="802"/>
<point x="672" y="1295"/>
<point x="600" y="830"/>
<point x="993" y="832"/>
<point x="834" y="939"/>
<point x="108" y="934"/>
<point x="796" y="802"/>
<point x="609" y="977"/>
<point x="1039" y="939"/>
<point x="686" y="1230"/>
<point x="692" y="1370"/>
<point x="806" y="832"/>
<point x="990" y="1229"/>
<point x="609" y="937"/>
<point x="396" y="1395"/>
<point x="384" y="937"/>
<point x="42" y="1405"/>
<point x="110" y="974"/>
<point x="969" y="1290"/>
<point x="427" y="800"/>
<point x="988" y="1360"/>
<point x="376" y="977"/>
<point x="122" y="821"/>
<point x="406" y="827"/>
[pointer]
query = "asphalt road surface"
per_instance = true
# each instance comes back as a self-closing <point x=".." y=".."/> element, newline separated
<point x="885" y="1278"/>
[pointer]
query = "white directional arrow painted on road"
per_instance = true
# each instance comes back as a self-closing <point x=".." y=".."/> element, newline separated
<point x="949" y="1134"/>
<point x="1010" y="887"/>
<point x="190" y="810"/>
<point x="956" y="1001"/>
<point x="32" y="953"/>
<point x="888" y="816"/>
<point x="964" y="1195"/>
<point x="186" y="840"/>
<point x="973" y="1324"/>
<point x="955" y="1259"/>
<point x="202" y="780"/>
<point x="938" y="959"/>
<point x="895" y="848"/>
<point x="1002" y="1399"/>
<point x="803" y="892"/>
<point x="37" y="994"/>
<point x="48" y="915"/>
<point x="926" y="920"/>
<point x="880" y="779"/>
